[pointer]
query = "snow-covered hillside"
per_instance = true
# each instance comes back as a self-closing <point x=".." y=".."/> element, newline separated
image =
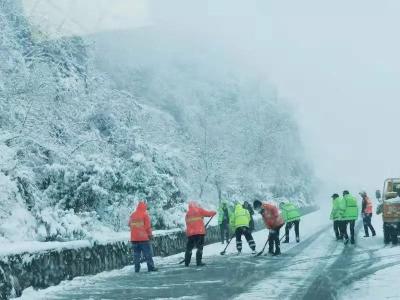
<point x="79" y="147"/>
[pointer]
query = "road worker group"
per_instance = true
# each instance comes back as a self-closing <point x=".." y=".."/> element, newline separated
<point x="235" y="221"/>
<point x="345" y="213"/>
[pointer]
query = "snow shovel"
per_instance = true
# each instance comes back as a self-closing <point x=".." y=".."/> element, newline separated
<point x="265" y="245"/>
<point x="226" y="247"/>
<point x="182" y="261"/>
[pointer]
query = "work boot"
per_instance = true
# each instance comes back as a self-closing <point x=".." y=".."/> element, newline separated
<point x="253" y="251"/>
<point x="297" y="239"/>
<point x="153" y="269"/>
<point x="277" y="252"/>
<point x="373" y="233"/>
<point x="199" y="256"/>
<point x="286" y="241"/>
<point x="345" y="240"/>
<point x="367" y="235"/>
<point x="352" y="241"/>
<point x="188" y="257"/>
<point x="201" y="264"/>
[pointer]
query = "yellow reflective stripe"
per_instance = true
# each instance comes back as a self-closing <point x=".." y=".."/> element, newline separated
<point x="137" y="224"/>
<point x="194" y="219"/>
<point x="241" y="214"/>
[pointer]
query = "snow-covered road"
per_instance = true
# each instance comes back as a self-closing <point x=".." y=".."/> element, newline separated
<point x="317" y="268"/>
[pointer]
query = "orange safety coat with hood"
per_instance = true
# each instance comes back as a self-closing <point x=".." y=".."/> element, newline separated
<point x="194" y="219"/>
<point x="271" y="216"/>
<point x="140" y="224"/>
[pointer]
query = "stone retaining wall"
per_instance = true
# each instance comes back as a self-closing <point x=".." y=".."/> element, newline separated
<point x="48" y="268"/>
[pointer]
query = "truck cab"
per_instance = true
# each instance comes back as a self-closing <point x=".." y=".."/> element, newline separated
<point x="390" y="208"/>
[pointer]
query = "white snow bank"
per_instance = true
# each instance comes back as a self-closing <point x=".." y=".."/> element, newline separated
<point x="12" y="248"/>
<point x="34" y="247"/>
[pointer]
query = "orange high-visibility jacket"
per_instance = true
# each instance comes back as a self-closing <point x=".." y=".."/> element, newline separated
<point x="271" y="216"/>
<point x="194" y="219"/>
<point x="140" y="224"/>
<point x="368" y="206"/>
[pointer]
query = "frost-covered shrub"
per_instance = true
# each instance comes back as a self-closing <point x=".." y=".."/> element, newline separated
<point x="77" y="154"/>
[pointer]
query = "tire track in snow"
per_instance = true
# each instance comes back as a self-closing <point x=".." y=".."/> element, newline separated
<point x="274" y="273"/>
<point x="328" y="282"/>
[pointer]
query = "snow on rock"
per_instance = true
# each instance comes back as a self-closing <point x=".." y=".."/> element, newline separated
<point x="79" y="147"/>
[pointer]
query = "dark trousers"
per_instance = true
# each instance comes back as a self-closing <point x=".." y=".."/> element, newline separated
<point x="251" y="224"/>
<point x="224" y="230"/>
<point x="344" y="229"/>
<point x="337" y="229"/>
<point x="289" y="225"/>
<point x="273" y="239"/>
<point x="194" y="241"/>
<point x="247" y="234"/>
<point x="391" y="231"/>
<point x="367" y="224"/>
<point x="144" y="248"/>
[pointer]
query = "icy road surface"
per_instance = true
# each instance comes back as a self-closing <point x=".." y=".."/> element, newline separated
<point x="317" y="268"/>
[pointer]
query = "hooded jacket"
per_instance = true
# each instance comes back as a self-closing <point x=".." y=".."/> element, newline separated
<point x="290" y="212"/>
<point x="350" y="208"/>
<point x="140" y="224"/>
<point x="337" y="212"/>
<point x="194" y="219"/>
<point x="241" y="217"/>
<point x="271" y="216"/>
<point x="224" y="213"/>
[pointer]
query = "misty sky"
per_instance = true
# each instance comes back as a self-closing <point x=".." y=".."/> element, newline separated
<point x="336" y="62"/>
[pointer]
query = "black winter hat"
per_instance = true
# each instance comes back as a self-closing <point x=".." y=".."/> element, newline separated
<point x="257" y="204"/>
<point x="334" y="196"/>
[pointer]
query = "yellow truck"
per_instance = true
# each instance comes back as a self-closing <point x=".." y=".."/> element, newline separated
<point x="389" y="207"/>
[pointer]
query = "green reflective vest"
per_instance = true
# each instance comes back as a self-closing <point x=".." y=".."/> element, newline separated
<point x="290" y="212"/>
<point x="221" y="212"/>
<point x="241" y="217"/>
<point x="337" y="212"/>
<point x="350" y="208"/>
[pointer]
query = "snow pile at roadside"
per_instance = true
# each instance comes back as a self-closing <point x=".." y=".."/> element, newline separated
<point x="11" y="248"/>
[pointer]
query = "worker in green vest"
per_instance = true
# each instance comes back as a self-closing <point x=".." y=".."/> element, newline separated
<point x="349" y="209"/>
<point x="336" y="216"/>
<point x="224" y="213"/>
<point x="240" y="224"/>
<point x="291" y="214"/>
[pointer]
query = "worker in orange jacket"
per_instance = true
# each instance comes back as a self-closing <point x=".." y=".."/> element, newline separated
<point x="195" y="231"/>
<point x="141" y="233"/>
<point x="366" y="212"/>
<point x="273" y="221"/>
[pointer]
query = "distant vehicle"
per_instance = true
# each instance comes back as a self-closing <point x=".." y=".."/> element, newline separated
<point x="389" y="206"/>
